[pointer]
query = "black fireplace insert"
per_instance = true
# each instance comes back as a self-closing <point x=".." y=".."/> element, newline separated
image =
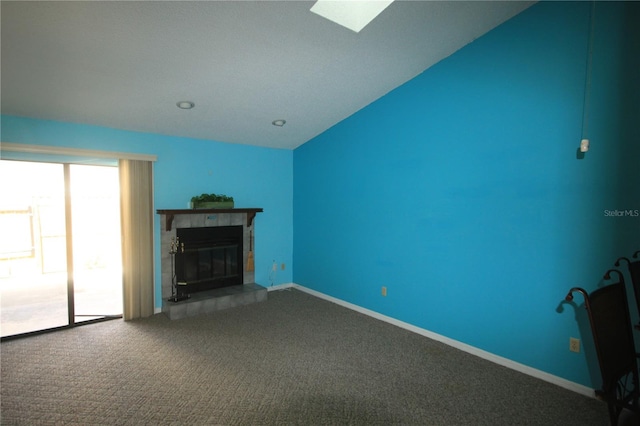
<point x="212" y="258"/>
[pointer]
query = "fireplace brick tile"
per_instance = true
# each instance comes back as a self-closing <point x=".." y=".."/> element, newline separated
<point x="195" y="308"/>
<point x="178" y="311"/>
<point x="238" y="219"/>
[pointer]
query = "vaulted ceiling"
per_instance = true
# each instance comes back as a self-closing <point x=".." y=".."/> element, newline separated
<point x="243" y="63"/>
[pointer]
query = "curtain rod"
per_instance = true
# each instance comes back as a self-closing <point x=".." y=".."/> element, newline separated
<point x="43" y="149"/>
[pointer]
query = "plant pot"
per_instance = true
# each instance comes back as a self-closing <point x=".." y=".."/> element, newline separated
<point x="212" y="205"/>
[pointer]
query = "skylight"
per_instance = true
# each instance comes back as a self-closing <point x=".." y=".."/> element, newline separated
<point x="352" y="14"/>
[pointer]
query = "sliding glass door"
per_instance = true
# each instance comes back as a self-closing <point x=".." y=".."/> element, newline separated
<point x="60" y="261"/>
<point x="33" y="265"/>
<point x="97" y="260"/>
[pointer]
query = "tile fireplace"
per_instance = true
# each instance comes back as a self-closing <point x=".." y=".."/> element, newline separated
<point x="211" y="255"/>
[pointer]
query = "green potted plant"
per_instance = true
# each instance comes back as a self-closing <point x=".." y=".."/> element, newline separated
<point x="211" y="201"/>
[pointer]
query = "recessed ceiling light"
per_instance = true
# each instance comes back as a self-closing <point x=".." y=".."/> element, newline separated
<point x="278" y="123"/>
<point x="185" y="105"/>
<point x="354" y="15"/>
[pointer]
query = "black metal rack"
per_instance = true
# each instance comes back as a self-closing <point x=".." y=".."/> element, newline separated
<point x="610" y="324"/>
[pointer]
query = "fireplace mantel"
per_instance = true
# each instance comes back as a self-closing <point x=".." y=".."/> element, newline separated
<point x="170" y="214"/>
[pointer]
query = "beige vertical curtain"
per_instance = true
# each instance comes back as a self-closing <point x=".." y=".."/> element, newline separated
<point x="136" y="210"/>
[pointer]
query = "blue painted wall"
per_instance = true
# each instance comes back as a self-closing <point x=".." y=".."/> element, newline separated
<point x="462" y="193"/>
<point x="255" y="177"/>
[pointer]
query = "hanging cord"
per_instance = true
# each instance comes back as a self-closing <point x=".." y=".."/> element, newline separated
<point x="273" y="269"/>
<point x="587" y="90"/>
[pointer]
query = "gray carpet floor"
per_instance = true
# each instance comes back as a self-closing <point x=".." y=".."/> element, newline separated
<point x="292" y="360"/>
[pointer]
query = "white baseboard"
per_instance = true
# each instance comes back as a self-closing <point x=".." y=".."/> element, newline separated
<point x="505" y="362"/>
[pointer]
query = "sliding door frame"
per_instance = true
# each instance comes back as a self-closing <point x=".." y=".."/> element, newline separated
<point x="68" y="219"/>
<point x="74" y="152"/>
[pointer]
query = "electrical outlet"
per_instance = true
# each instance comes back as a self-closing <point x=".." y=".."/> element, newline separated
<point x="282" y="266"/>
<point x="384" y="291"/>
<point x="274" y="267"/>
<point x="574" y="344"/>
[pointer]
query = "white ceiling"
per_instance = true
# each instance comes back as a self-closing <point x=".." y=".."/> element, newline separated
<point x="243" y="63"/>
